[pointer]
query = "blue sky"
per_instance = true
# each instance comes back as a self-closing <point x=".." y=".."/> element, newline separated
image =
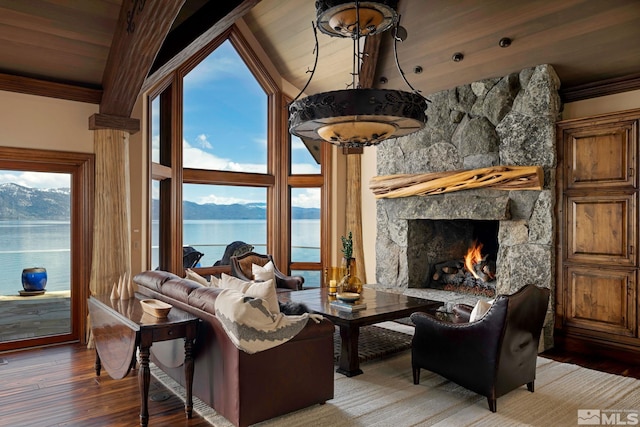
<point x="225" y="128"/>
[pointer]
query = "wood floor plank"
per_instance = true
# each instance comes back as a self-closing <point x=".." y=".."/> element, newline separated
<point x="57" y="386"/>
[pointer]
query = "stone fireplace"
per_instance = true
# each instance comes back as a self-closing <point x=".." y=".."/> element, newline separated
<point x="503" y="121"/>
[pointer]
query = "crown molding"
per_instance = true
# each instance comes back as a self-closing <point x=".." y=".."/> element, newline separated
<point x="600" y="88"/>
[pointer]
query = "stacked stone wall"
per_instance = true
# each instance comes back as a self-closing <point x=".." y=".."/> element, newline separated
<point x="502" y="121"/>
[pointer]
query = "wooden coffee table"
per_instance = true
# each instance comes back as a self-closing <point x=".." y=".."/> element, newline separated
<point x="381" y="306"/>
<point x="121" y="326"/>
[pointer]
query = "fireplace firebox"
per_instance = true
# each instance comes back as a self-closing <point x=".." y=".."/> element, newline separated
<point x="455" y="255"/>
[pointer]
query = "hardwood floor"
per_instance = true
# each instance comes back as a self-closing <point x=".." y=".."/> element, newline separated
<point x="589" y="355"/>
<point x="57" y="386"/>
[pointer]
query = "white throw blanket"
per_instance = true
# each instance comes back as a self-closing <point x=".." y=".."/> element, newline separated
<point x="251" y="326"/>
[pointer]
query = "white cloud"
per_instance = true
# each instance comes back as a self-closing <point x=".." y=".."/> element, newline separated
<point x="214" y="67"/>
<point x="155" y="192"/>
<point x="36" y="179"/>
<point x="297" y="144"/>
<point x="196" y="158"/>
<point x="305" y="168"/>
<point x="307" y="198"/>
<point x="203" y="141"/>
<point x="222" y="200"/>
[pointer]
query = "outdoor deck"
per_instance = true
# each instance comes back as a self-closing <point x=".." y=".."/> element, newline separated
<point x="24" y="317"/>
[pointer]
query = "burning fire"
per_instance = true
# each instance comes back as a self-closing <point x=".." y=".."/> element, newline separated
<point x="473" y="257"/>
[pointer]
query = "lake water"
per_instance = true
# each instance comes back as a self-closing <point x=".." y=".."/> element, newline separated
<point x="26" y="244"/>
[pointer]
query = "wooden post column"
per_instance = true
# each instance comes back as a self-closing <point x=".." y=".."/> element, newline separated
<point x="112" y="206"/>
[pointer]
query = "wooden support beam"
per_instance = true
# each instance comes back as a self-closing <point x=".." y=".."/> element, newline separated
<point x="496" y="177"/>
<point x="49" y="89"/>
<point x="174" y="54"/>
<point x="106" y="121"/>
<point x="141" y="29"/>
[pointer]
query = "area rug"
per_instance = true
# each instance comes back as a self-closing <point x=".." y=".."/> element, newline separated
<point x="374" y="342"/>
<point x="384" y="395"/>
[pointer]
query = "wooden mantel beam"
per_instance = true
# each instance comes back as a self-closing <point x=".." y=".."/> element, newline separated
<point x="141" y="29"/>
<point x="495" y="177"/>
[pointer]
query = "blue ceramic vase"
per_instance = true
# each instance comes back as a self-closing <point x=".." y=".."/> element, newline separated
<point x="34" y="279"/>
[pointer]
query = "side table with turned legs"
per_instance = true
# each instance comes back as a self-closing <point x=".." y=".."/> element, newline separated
<point x="119" y="327"/>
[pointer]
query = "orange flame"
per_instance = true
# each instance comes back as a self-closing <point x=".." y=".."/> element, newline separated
<point x="473" y="257"/>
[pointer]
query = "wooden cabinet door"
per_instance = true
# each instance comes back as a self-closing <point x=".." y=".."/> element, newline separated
<point x="598" y="222"/>
<point x="601" y="300"/>
<point x="601" y="229"/>
<point x="601" y="155"/>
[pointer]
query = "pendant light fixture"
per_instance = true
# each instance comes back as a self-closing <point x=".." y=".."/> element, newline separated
<point x="357" y="117"/>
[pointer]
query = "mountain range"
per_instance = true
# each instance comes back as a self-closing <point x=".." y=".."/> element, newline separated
<point x="23" y="203"/>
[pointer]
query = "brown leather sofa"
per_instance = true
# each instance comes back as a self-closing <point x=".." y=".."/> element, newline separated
<point x="244" y="388"/>
<point x="490" y="356"/>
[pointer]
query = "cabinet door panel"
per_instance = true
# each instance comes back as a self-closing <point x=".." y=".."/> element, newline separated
<point x="601" y="156"/>
<point x="601" y="229"/>
<point x="601" y="300"/>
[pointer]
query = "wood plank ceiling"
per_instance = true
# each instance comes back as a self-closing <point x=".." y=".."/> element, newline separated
<point x="587" y="41"/>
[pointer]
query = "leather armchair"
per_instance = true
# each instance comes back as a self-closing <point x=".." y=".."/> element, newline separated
<point x="490" y="356"/>
<point x="241" y="268"/>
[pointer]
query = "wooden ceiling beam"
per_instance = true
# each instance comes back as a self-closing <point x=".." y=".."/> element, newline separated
<point x="175" y="52"/>
<point x="193" y="27"/>
<point x="370" y="60"/>
<point x="49" y="89"/>
<point x="141" y="29"/>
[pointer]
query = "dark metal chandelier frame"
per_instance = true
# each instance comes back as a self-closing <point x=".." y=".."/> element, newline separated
<point x="357" y="117"/>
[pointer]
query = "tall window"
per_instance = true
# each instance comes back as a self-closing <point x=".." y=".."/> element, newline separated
<point x="44" y="233"/>
<point x="228" y="165"/>
<point x="307" y="190"/>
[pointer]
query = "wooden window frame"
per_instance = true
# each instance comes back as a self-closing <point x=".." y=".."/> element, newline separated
<point x="81" y="167"/>
<point x="277" y="180"/>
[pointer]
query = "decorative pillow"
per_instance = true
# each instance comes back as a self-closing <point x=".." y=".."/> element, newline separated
<point x="480" y="310"/>
<point x="264" y="290"/>
<point x="263" y="273"/>
<point x="192" y="275"/>
<point x="230" y="282"/>
<point x="214" y="282"/>
<point x="267" y="291"/>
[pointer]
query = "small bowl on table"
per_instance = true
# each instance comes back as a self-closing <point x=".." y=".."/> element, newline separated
<point x="155" y="307"/>
<point x="348" y="296"/>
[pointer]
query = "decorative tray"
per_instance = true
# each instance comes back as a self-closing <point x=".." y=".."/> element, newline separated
<point x="348" y="296"/>
<point x="155" y="307"/>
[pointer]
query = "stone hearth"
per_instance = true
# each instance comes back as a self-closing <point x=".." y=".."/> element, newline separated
<point x="501" y="121"/>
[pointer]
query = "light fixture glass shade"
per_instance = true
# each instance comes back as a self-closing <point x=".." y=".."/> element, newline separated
<point x="357" y="117"/>
<point x="340" y="18"/>
<point x="356" y="131"/>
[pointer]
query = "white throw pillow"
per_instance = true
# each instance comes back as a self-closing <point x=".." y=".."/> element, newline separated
<point x="263" y="273"/>
<point x="192" y="275"/>
<point x="214" y="282"/>
<point x="264" y="290"/>
<point x="480" y="310"/>
<point x="230" y="282"/>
